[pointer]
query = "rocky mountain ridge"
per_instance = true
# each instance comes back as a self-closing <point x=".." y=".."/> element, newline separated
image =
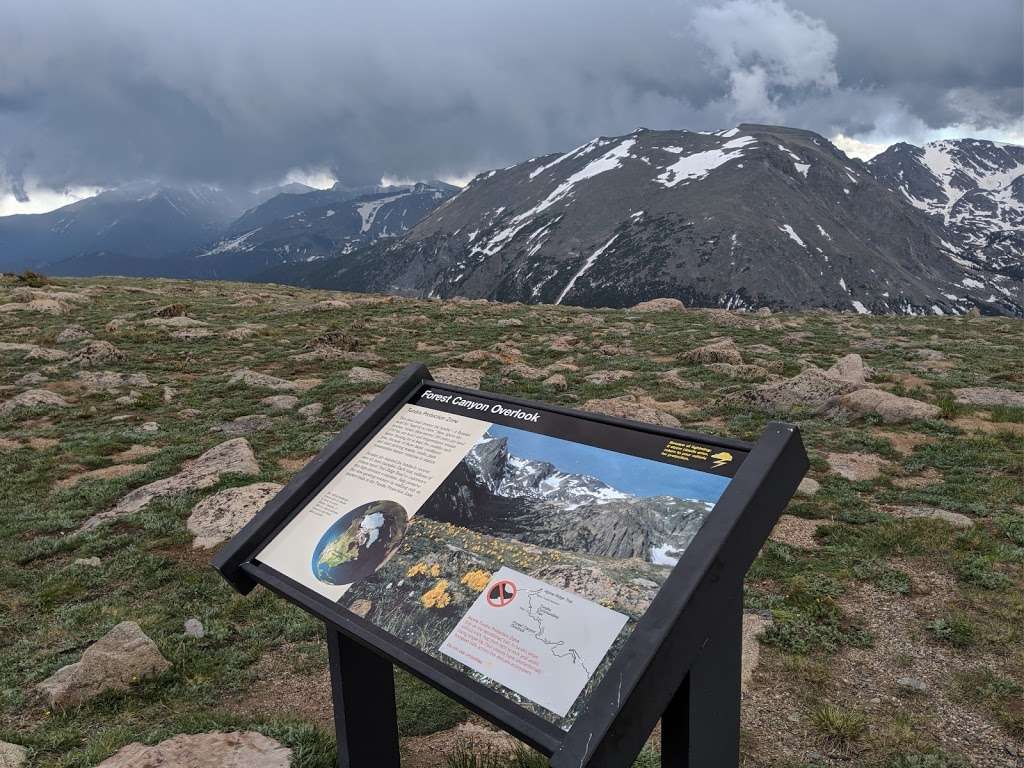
<point x="714" y="219"/>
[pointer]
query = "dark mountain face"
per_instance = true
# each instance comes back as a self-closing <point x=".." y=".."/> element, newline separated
<point x="750" y="217"/>
<point x="135" y="223"/>
<point x="268" y="251"/>
<point x="975" y="189"/>
<point x="495" y="492"/>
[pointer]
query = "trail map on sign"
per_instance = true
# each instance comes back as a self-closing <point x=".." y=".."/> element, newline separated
<point x="533" y="638"/>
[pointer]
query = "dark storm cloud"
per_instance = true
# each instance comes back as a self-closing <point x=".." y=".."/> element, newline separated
<point x="97" y="93"/>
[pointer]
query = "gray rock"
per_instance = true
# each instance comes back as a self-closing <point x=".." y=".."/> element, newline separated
<point x="555" y="381"/>
<point x="96" y="352"/>
<point x="458" y="377"/>
<point x="808" y="487"/>
<point x="955" y="519"/>
<point x="603" y="378"/>
<point x="312" y="410"/>
<point x="237" y="749"/>
<point x="149" y="426"/>
<point x="88" y="562"/>
<point x="108" y="381"/>
<point x="628" y="407"/>
<point x="266" y="381"/>
<point x="721" y="351"/>
<point x="812" y="389"/>
<point x="856" y="466"/>
<point x="221" y="516"/>
<point x="115" y="661"/>
<point x="180" y="321"/>
<point x="361" y="375"/>
<point x="233" y="456"/>
<point x="912" y="684"/>
<point x="12" y="755"/>
<point x="31" y="378"/>
<point x="194" y="628"/>
<point x="73" y="333"/>
<point x="892" y="408"/>
<point x="989" y="396"/>
<point x="280" y="402"/>
<point x="33" y="398"/>
<point x="245" y="425"/>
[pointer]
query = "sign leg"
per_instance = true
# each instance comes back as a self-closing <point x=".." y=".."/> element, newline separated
<point x="363" y="691"/>
<point x="701" y="726"/>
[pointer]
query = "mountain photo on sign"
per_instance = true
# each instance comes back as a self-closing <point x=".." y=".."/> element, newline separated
<point x="359" y="543"/>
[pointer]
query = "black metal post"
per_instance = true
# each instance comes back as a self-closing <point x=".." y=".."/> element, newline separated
<point x="363" y="692"/>
<point x="701" y="726"/>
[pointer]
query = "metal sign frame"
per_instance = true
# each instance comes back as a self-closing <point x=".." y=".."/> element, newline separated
<point x="681" y="662"/>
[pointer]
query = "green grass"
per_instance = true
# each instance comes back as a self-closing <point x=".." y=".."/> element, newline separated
<point x="50" y="610"/>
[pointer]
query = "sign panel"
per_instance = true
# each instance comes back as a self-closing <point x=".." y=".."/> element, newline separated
<point x="516" y="544"/>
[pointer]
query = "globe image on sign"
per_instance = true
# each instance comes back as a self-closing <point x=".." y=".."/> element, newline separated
<point x="359" y="543"/>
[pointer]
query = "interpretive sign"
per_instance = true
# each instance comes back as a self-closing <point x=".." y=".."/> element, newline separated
<point x="526" y="559"/>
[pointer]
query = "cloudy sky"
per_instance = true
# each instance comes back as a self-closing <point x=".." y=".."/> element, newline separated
<point x="95" y="93"/>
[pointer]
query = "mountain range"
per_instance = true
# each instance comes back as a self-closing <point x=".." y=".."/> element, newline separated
<point x="755" y="216"/>
<point x="498" y="493"/>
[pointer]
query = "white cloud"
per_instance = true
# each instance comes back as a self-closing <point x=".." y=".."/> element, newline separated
<point x="863" y="150"/>
<point x="42" y="200"/>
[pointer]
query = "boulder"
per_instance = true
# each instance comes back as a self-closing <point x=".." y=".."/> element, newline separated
<point x="850" y="369"/>
<point x="741" y="372"/>
<point x="989" y="396"/>
<point x="122" y="656"/>
<point x="177" y="321"/>
<point x="280" y="402"/>
<point x="235" y="749"/>
<point x="33" y="398"/>
<point x="555" y="381"/>
<point x="221" y="516"/>
<point x="331" y="305"/>
<point x="628" y="407"/>
<point x="892" y="408"/>
<point x="233" y="456"/>
<point x="311" y="411"/>
<point x="458" y="377"/>
<point x="45" y="306"/>
<point x="659" y="305"/>
<point x="812" y="388"/>
<point x="721" y="351"/>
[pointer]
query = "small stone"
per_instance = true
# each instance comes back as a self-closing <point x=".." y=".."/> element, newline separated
<point x="331" y="305"/>
<point x="30" y="379"/>
<point x="149" y="426"/>
<point x="222" y="515"/>
<point x="280" y="402"/>
<point x="130" y="399"/>
<point x="458" y="377"/>
<point x="168" y="394"/>
<point x="856" y="466"/>
<point x="359" y="375"/>
<point x="245" y="425"/>
<point x="88" y="562"/>
<point x="194" y="628"/>
<point x="556" y="381"/>
<point x="236" y="749"/>
<point x="603" y="378"/>
<point x="509" y="322"/>
<point x="955" y="519"/>
<point x="112" y="381"/>
<point x="989" y="396"/>
<point x="115" y="661"/>
<point x="266" y="381"/>
<point x="628" y="407"/>
<point x="808" y="487"/>
<point x="312" y="410"/>
<point x="178" y="321"/>
<point x="12" y="755"/>
<point x="912" y="684"/>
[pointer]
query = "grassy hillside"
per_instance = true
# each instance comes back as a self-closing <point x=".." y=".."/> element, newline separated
<point x="893" y="640"/>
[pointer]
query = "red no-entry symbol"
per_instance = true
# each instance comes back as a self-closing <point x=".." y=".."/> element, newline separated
<point x="501" y="593"/>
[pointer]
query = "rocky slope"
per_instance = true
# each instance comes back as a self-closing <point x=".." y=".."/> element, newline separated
<point x="975" y="189"/>
<point x="750" y="217"/>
